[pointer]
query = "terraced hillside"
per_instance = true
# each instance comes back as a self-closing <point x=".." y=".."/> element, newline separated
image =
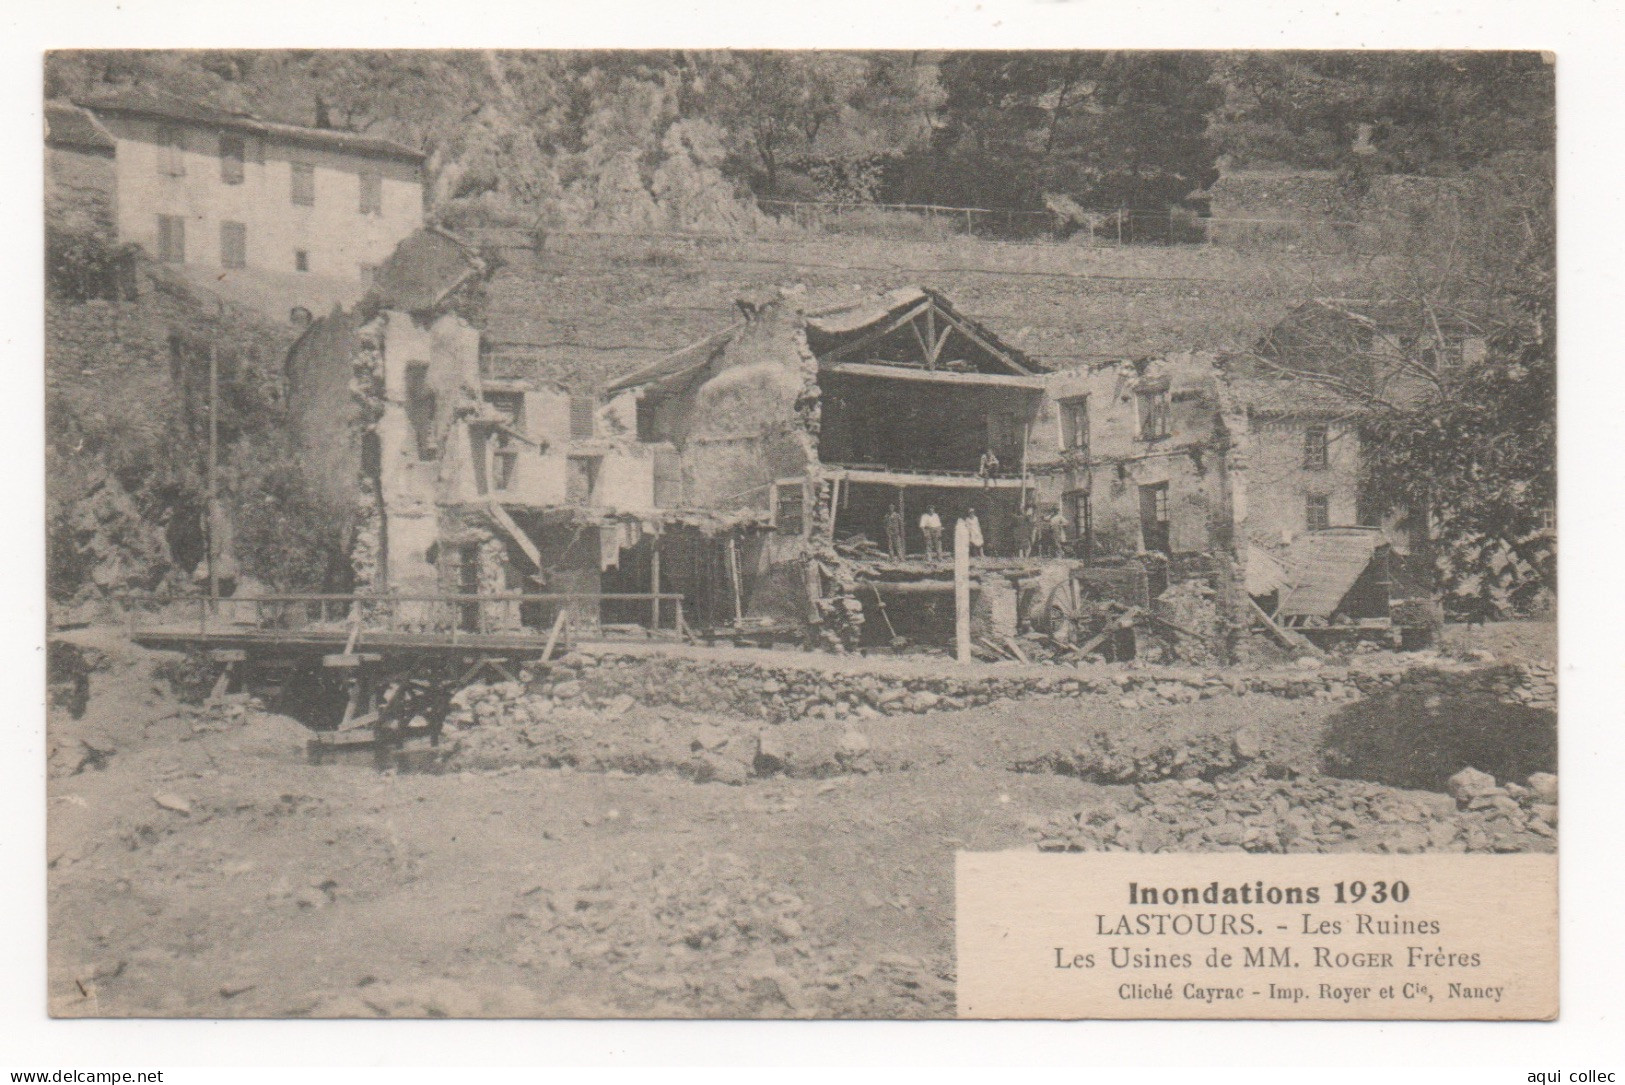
<point x="585" y="308"/>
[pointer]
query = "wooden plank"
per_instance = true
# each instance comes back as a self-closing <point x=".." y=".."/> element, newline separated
<point x="553" y="636"/>
<point x="733" y="576"/>
<point x="933" y="376"/>
<point x="1010" y="642"/>
<point x="961" y="591"/>
<point x="500" y="515"/>
<point x="901" y="478"/>
<point x="1285" y="637"/>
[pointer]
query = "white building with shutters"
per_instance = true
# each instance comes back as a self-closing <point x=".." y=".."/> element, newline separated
<point x="271" y="215"/>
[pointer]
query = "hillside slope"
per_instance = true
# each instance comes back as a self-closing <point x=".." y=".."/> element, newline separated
<point x="589" y="307"/>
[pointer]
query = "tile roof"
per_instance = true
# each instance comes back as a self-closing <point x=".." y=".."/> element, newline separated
<point x="148" y="103"/>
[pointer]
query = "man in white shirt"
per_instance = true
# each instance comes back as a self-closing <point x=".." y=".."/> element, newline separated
<point x="931" y="528"/>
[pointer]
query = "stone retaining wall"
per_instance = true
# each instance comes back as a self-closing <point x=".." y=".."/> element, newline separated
<point x="779" y="692"/>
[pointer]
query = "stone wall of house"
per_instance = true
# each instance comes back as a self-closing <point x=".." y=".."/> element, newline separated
<point x="1190" y="460"/>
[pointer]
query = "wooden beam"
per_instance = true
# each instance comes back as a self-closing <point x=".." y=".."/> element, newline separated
<point x="934" y="376"/>
<point x="553" y="635"/>
<point x="1291" y="640"/>
<point x="937" y="338"/>
<point x="903" y="478"/>
<point x="974" y="336"/>
<point x="506" y="522"/>
<point x="875" y="336"/>
<point x="962" y="591"/>
<point x="925" y="347"/>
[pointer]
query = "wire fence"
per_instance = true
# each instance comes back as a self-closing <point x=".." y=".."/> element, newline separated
<point x="1110" y="226"/>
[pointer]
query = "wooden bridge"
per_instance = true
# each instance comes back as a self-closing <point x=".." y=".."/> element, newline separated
<point x="376" y="671"/>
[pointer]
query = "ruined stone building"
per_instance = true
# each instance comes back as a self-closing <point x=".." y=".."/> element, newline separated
<point x="761" y="472"/>
<point x="1164" y="470"/>
<point x="265" y="214"/>
<point x="822" y="423"/>
<point x="448" y="481"/>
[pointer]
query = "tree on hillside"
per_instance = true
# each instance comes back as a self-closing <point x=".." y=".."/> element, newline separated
<point x="774" y="104"/>
<point x="1106" y="129"/>
<point x="1428" y="113"/>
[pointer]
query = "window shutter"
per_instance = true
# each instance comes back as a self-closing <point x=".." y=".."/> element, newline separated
<point x="303" y="183"/>
<point x="233" y="245"/>
<point x="582" y="410"/>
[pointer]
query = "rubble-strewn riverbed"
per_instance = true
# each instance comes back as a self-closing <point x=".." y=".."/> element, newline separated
<point x="630" y="848"/>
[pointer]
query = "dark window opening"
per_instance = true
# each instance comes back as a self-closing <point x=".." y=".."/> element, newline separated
<point x="303" y="190"/>
<point x="301" y="260"/>
<point x="1153" y="414"/>
<point x="581" y="480"/>
<point x="1317" y="512"/>
<point x="789" y="516"/>
<point x="504" y="463"/>
<point x="1315" y="456"/>
<point x="172" y="239"/>
<point x="1081" y="524"/>
<point x="648" y="423"/>
<point x="233" y="245"/>
<point x="1155" y="532"/>
<point x="509" y="407"/>
<point x="420" y="409"/>
<point x="1075" y="424"/>
<point x="232" y="152"/>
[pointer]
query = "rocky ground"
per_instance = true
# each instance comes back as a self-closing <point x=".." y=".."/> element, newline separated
<point x="743" y="834"/>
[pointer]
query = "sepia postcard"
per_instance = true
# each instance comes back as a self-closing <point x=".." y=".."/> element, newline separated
<point x="801" y="534"/>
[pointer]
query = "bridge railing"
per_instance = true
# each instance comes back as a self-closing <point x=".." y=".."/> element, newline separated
<point x="516" y="613"/>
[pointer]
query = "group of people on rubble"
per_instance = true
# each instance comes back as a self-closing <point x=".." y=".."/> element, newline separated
<point x="1035" y="534"/>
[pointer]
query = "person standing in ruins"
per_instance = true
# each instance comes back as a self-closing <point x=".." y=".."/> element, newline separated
<point x="1026" y="531"/>
<point x="1057" y="532"/>
<point x="973" y="532"/>
<point x="894" y="532"/>
<point x="931" y="528"/>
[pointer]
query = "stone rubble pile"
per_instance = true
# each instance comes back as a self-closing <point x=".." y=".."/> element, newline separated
<point x="714" y="938"/>
<point x="1248" y="811"/>
<point x="1100" y="758"/>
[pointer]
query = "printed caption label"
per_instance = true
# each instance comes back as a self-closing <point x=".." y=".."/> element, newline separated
<point x="1385" y="937"/>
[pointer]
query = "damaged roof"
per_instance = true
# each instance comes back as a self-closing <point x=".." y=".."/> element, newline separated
<point x="1325" y="565"/>
<point x="427" y="266"/>
<point x="66" y="125"/>
<point x="863" y="314"/>
<point x="150" y="103"/>
<point x="827" y="329"/>
<point x="691" y="357"/>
